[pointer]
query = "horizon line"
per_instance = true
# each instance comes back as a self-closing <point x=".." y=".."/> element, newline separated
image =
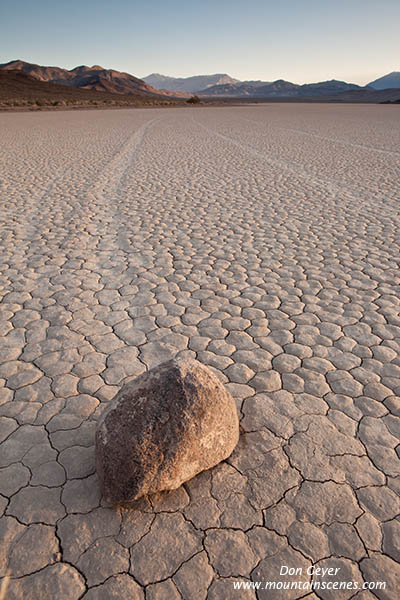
<point x="197" y="75"/>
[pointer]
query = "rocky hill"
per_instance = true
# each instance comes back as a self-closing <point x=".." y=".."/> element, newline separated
<point x="19" y="89"/>
<point x="89" y="78"/>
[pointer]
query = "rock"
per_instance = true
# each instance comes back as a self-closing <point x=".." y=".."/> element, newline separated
<point x="162" y="429"/>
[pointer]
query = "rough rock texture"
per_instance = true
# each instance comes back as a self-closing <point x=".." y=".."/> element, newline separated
<point x="162" y="429"/>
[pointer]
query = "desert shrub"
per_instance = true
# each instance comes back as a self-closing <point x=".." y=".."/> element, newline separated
<point x="193" y="100"/>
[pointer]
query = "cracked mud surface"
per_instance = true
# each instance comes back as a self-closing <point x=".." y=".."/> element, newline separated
<point x="264" y="241"/>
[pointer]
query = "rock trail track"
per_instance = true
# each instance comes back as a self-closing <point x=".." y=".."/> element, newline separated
<point x="263" y="241"/>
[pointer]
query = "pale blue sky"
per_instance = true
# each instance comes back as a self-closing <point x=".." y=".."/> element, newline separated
<point x="301" y="41"/>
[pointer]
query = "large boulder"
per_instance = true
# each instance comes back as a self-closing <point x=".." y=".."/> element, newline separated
<point x="162" y="429"/>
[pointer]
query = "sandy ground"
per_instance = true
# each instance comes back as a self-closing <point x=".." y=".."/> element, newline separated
<point x="265" y="242"/>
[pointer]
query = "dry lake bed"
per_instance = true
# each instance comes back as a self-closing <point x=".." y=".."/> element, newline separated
<point x="263" y="241"/>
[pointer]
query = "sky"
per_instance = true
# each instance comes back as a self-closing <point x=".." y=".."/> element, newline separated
<point x="301" y="41"/>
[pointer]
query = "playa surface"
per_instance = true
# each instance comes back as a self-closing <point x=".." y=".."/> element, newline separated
<point x="265" y="242"/>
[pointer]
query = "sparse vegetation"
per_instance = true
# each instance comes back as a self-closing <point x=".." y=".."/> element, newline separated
<point x="193" y="100"/>
<point x="19" y="90"/>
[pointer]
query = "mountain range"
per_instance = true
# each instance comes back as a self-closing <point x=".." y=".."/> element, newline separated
<point x="88" y="78"/>
<point x="218" y="86"/>
<point x="222" y="85"/>
<point x="279" y="88"/>
<point x="19" y="89"/>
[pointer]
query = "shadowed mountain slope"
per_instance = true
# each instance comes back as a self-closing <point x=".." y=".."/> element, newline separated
<point x="18" y="88"/>
<point x="279" y="88"/>
<point x="391" y="80"/>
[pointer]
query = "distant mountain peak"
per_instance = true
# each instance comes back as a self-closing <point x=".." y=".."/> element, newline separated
<point x="188" y="84"/>
<point x="391" y="80"/>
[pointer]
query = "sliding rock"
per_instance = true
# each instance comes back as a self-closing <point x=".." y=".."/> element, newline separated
<point x="162" y="429"/>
